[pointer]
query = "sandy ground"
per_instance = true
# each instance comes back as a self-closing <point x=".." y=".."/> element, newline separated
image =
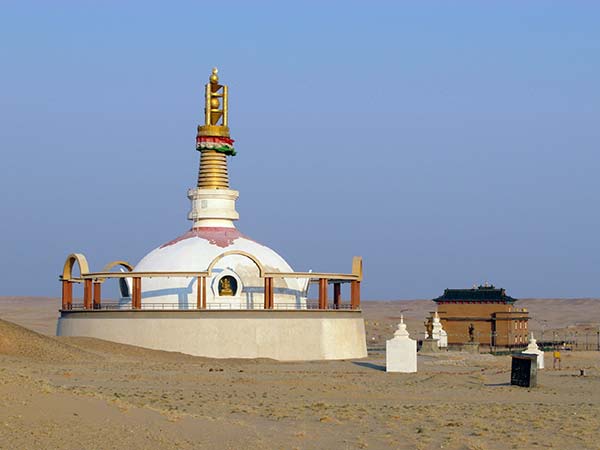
<point x="78" y="393"/>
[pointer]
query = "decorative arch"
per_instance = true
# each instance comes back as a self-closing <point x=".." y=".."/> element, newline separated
<point x="258" y="264"/>
<point x="124" y="264"/>
<point x="73" y="258"/>
<point x="113" y="264"/>
<point x="357" y="267"/>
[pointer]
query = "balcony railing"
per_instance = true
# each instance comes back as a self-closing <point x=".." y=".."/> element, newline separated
<point x="92" y="284"/>
<point x="174" y="306"/>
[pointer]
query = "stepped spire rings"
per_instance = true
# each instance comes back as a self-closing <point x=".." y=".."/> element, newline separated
<point x="213" y="140"/>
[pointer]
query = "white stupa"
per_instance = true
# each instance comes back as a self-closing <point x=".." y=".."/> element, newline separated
<point x="213" y="291"/>
<point x="401" y="351"/>
<point x="533" y="349"/>
<point x="235" y="281"/>
<point x="438" y="333"/>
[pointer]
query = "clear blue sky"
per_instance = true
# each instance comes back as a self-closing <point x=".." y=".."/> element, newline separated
<point x="448" y="143"/>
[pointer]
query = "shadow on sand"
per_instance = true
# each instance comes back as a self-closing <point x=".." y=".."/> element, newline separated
<point x="369" y="365"/>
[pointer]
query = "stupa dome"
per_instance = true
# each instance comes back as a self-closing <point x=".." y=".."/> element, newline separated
<point x="229" y="254"/>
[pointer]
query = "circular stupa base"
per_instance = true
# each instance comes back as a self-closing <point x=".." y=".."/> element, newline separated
<point x="282" y="335"/>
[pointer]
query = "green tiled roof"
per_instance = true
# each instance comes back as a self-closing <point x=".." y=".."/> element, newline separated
<point x="481" y="293"/>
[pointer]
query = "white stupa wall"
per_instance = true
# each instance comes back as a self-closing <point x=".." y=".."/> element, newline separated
<point x="281" y="335"/>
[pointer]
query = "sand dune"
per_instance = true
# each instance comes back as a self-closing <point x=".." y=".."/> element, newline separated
<point x="22" y="342"/>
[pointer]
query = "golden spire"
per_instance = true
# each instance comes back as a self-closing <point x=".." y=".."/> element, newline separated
<point x="213" y="139"/>
<point x="215" y="110"/>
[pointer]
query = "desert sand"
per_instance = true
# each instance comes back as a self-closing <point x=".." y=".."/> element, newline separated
<point x="75" y="393"/>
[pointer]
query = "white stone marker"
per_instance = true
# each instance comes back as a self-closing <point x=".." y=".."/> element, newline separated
<point x="401" y="351"/>
<point x="533" y="349"/>
<point x="439" y="333"/>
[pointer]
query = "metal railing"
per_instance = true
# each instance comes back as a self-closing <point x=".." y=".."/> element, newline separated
<point x="238" y="306"/>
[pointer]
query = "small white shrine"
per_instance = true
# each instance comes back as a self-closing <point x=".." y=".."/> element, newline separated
<point x="533" y="349"/>
<point x="401" y="351"/>
<point x="438" y="333"/>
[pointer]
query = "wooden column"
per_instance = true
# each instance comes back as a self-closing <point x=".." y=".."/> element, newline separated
<point x="87" y="293"/>
<point x="67" y="294"/>
<point x="269" y="301"/>
<point x="322" y="293"/>
<point x="97" y="295"/>
<point x="266" y="294"/>
<point x="198" y="292"/>
<point x="337" y="295"/>
<point x="355" y="294"/>
<point x="136" y="295"/>
<point x="201" y="293"/>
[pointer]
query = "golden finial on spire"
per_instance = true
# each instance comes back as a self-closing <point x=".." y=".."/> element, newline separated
<point x="215" y="109"/>
<point x="214" y="78"/>
<point x="213" y="140"/>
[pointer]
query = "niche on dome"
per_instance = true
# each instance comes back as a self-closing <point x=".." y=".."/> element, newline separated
<point x="228" y="286"/>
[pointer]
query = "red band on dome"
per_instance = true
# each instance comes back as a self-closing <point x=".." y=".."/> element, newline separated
<point x="220" y="236"/>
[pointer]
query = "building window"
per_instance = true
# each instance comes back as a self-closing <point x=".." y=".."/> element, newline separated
<point x="516" y="327"/>
<point x="520" y="325"/>
<point x="525" y="325"/>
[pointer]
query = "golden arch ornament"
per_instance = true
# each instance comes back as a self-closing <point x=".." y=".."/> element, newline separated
<point x="253" y="258"/>
<point x="73" y="258"/>
<point x="124" y="264"/>
<point x="113" y="264"/>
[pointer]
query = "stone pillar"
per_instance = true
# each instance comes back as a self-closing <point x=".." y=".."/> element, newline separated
<point x="355" y="294"/>
<point x="401" y="351"/>
<point x="67" y="294"/>
<point x="533" y="349"/>
<point x="87" y="293"/>
<point x="97" y="295"/>
<point x="337" y="295"/>
<point x="322" y="293"/>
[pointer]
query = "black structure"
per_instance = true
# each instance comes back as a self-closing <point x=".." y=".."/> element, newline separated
<point x="524" y="370"/>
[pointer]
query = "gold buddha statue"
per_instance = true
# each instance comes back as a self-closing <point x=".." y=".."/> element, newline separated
<point x="225" y="288"/>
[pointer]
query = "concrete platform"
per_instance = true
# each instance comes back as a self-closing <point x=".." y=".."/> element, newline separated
<point x="285" y="335"/>
<point x="430" y="346"/>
